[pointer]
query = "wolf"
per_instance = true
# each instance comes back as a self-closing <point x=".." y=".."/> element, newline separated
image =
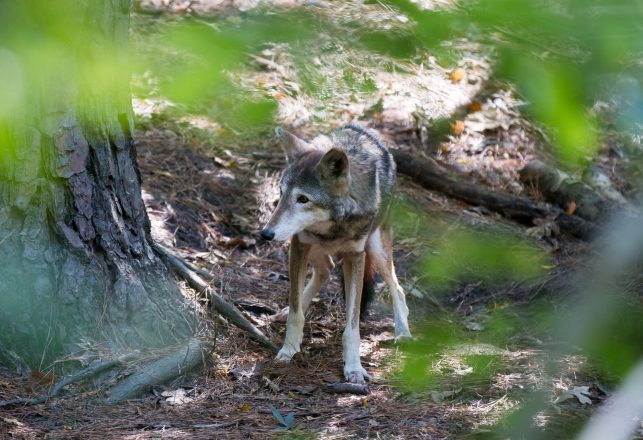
<point x="335" y="194"/>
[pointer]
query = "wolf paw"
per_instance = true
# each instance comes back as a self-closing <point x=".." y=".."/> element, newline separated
<point x="403" y="337"/>
<point x="286" y="353"/>
<point x="357" y="375"/>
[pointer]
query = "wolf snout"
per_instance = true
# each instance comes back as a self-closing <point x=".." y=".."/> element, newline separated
<point x="267" y="234"/>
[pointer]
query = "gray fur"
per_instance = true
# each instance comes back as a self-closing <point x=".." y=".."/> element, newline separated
<point x="371" y="168"/>
<point x="333" y="198"/>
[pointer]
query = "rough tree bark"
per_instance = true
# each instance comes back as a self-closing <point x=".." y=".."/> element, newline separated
<point x="76" y="261"/>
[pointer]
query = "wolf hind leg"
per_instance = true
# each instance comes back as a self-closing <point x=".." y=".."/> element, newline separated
<point x="298" y="260"/>
<point x="380" y="250"/>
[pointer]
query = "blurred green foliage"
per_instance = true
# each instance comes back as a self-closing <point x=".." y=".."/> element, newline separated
<point x="483" y="255"/>
<point x="211" y="51"/>
<point x="612" y="338"/>
<point x="562" y="56"/>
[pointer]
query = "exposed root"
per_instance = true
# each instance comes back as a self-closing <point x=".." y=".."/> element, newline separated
<point x="162" y="370"/>
<point x="81" y="375"/>
<point x="221" y="305"/>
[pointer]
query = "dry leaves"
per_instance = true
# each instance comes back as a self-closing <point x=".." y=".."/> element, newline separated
<point x="457" y="75"/>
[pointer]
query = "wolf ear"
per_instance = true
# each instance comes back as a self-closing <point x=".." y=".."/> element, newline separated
<point x="293" y="146"/>
<point x="334" y="166"/>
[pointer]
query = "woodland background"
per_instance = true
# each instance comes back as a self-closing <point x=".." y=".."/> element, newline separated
<point x="517" y="131"/>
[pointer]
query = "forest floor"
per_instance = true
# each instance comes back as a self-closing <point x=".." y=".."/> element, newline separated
<point x="208" y="190"/>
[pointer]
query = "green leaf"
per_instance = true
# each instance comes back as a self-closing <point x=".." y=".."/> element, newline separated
<point x="278" y="416"/>
<point x="288" y="422"/>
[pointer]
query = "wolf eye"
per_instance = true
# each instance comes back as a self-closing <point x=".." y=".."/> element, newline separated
<point x="302" y="199"/>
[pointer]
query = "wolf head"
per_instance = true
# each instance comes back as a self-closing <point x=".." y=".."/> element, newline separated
<point x="317" y="175"/>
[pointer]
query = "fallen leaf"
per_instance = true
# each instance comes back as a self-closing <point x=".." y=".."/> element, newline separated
<point x="245" y="407"/>
<point x="286" y="422"/>
<point x="475" y="106"/>
<point x="457" y="75"/>
<point x="571" y="208"/>
<point x="458" y="127"/>
<point x="580" y="393"/>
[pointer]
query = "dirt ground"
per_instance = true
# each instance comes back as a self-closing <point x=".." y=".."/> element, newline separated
<point x="208" y="190"/>
<point x="209" y="205"/>
<point x="210" y="209"/>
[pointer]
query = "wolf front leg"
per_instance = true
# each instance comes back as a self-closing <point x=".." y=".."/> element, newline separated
<point x="354" y="280"/>
<point x="298" y="260"/>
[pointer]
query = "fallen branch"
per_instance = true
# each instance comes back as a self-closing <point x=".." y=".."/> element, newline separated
<point x="81" y="375"/>
<point x="215" y="425"/>
<point x="432" y="176"/>
<point x="565" y="191"/>
<point x="221" y="305"/>
<point x="346" y="388"/>
<point x="161" y="370"/>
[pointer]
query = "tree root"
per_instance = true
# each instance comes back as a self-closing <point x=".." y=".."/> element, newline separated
<point x="430" y="175"/>
<point x="221" y="305"/>
<point x="81" y="375"/>
<point x="161" y="370"/>
<point x="563" y="190"/>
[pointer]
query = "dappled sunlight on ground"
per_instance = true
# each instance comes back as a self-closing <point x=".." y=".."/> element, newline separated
<point x="209" y="187"/>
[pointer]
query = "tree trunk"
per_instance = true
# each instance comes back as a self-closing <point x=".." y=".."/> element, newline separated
<point x="76" y="261"/>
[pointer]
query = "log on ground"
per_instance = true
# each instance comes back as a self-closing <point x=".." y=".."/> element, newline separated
<point x="428" y="173"/>
<point x="565" y="191"/>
